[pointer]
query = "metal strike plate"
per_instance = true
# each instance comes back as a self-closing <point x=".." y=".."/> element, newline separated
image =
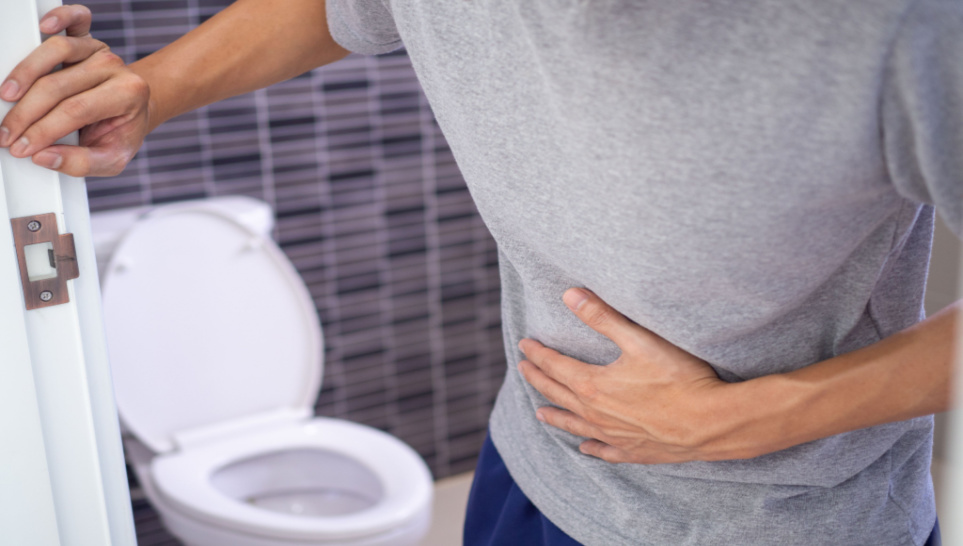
<point x="47" y="260"/>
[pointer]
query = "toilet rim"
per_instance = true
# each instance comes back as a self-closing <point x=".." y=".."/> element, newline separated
<point x="183" y="480"/>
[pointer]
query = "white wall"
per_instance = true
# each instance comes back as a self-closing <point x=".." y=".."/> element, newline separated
<point x="942" y="288"/>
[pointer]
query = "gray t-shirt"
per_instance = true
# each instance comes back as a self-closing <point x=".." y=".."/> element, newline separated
<point x="752" y="180"/>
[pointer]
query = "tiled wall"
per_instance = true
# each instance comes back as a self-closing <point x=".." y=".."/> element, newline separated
<point x="371" y="209"/>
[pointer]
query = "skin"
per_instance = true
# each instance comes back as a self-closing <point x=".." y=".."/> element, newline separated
<point x="655" y="404"/>
<point x="658" y="404"/>
<point x="249" y="45"/>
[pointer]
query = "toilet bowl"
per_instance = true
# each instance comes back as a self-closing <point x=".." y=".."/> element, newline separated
<point x="217" y="356"/>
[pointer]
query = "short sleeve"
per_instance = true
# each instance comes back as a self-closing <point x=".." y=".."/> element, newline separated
<point x="363" y="26"/>
<point x="922" y="108"/>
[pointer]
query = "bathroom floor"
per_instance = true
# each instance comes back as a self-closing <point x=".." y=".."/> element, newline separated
<point x="451" y="497"/>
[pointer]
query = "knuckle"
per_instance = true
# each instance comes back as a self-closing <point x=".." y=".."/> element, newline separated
<point x="121" y="159"/>
<point x="609" y="457"/>
<point x="50" y="85"/>
<point x="38" y="135"/>
<point x="14" y="121"/>
<point x="541" y="354"/>
<point x="23" y="73"/>
<point x="568" y="422"/>
<point x="79" y="167"/>
<point x="599" y="317"/>
<point x="552" y="418"/>
<point x="136" y="85"/>
<point x="75" y="107"/>
<point x="624" y="458"/>
<point x="60" y="44"/>
<point x="549" y="356"/>
<point x="108" y="58"/>
<point x="585" y="389"/>
<point x="598" y="421"/>
<point x="595" y="449"/>
<point x="81" y="11"/>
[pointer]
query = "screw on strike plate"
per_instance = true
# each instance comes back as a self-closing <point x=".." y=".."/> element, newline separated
<point x="34" y="226"/>
<point x="46" y="295"/>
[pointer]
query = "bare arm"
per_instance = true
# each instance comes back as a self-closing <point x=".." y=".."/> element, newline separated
<point x="908" y="374"/>
<point x="251" y="44"/>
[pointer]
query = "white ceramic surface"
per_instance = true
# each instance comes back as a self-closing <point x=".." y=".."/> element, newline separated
<point x="217" y="326"/>
<point x="217" y="375"/>
<point x="185" y="480"/>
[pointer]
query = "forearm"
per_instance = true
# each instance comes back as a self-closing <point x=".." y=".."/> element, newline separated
<point x="249" y="45"/>
<point x="906" y="375"/>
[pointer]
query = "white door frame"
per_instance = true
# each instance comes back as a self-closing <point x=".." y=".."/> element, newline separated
<point x="62" y="476"/>
<point x="952" y="502"/>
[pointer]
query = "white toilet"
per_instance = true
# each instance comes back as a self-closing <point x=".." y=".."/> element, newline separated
<point x="216" y="354"/>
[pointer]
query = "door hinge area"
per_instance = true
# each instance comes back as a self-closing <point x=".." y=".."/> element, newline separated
<point x="47" y="260"/>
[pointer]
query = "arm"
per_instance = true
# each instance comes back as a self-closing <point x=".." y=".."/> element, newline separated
<point x="659" y="404"/>
<point x="251" y="44"/>
<point x="906" y="375"/>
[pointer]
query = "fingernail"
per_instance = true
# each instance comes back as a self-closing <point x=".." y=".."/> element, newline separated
<point x="539" y="416"/>
<point x="4" y="136"/>
<point x="574" y="298"/>
<point x="49" y="159"/>
<point x="49" y="25"/>
<point x="9" y="90"/>
<point x="20" y="146"/>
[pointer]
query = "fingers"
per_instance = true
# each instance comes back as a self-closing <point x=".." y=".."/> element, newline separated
<point x="596" y="445"/>
<point x="602" y="318"/>
<point x="82" y="161"/>
<point x="74" y="19"/>
<point x="568" y="421"/>
<point x="574" y="374"/>
<point x="41" y="61"/>
<point x="72" y="48"/>
<point x="50" y="90"/>
<point x="606" y="452"/>
<point x="69" y="115"/>
<point x="93" y="93"/>
<point x="558" y="394"/>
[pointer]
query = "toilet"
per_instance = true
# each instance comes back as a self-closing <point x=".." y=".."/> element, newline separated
<point x="216" y="355"/>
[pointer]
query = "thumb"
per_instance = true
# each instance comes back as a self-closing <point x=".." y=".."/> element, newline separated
<point x="83" y="161"/>
<point x="602" y="318"/>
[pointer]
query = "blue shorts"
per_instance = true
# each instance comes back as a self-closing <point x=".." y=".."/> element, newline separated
<point x="499" y="514"/>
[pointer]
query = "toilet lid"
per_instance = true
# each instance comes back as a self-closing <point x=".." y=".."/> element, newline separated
<point x="207" y="322"/>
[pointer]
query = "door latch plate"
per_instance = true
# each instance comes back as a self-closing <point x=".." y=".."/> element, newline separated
<point x="40" y="229"/>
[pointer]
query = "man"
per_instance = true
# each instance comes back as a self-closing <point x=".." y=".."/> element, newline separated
<point x="713" y="222"/>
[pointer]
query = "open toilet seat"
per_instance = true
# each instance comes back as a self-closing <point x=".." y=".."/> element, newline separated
<point x="217" y="358"/>
<point x="184" y="479"/>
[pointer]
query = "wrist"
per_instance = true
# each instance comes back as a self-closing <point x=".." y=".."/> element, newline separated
<point x="784" y="411"/>
<point x="158" y="110"/>
<point x="756" y="417"/>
